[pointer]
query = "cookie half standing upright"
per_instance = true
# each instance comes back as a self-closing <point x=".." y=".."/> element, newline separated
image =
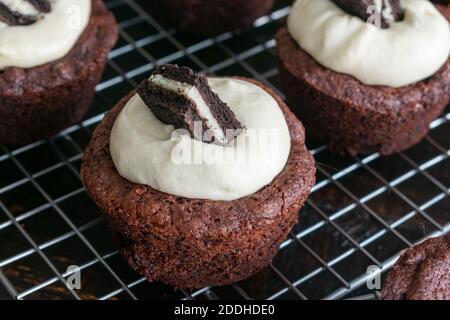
<point x="199" y="178"/>
<point x="208" y="17"/>
<point x="421" y="272"/>
<point x="366" y="76"/>
<point x="52" y="55"/>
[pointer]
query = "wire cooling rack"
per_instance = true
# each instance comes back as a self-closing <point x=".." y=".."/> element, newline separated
<point x="362" y="212"/>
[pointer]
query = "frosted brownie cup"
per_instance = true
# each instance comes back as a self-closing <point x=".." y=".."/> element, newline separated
<point x="199" y="179"/>
<point x="363" y="77"/>
<point x="421" y="272"/>
<point x="52" y="54"/>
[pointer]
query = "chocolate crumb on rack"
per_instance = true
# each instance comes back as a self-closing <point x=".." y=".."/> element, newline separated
<point x="183" y="98"/>
<point x="367" y="10"/>
<point x="14" y="18"/>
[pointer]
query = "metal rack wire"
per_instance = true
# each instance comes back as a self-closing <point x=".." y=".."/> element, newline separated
<point x="362" y="212"/>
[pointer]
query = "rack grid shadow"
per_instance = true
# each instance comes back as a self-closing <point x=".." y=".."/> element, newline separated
<point x="361" y="214"/>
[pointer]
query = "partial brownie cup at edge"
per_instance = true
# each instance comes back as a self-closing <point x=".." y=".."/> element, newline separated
<point x="208" y="17"/>
<point x="352" y="117"/>
<point x="37" y="102"/>
<point x="421" y="272"/>
<point x="191" y="242"/>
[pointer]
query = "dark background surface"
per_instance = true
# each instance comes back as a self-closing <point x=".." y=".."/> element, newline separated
<point x="363" y="210"/>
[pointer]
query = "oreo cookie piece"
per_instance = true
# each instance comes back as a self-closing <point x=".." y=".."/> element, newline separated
<point x="15" y="18"/>
<point x="377" y="12"/>
<point x="41" y="5"/>
<point x="183" y="98"/>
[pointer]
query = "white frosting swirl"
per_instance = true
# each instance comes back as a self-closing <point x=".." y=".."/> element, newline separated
<point x="408" y="51"/>
<point x="50" y="38"/>
<point x="145" y="151"/>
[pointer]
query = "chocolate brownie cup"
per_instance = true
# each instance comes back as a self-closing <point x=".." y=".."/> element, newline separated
<point x="191" y="242"/>
<point x="39" y="101"/>
<point x="421" y="273"/>
<point x="208" y="17"/>
<point x="354" y="117"/>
